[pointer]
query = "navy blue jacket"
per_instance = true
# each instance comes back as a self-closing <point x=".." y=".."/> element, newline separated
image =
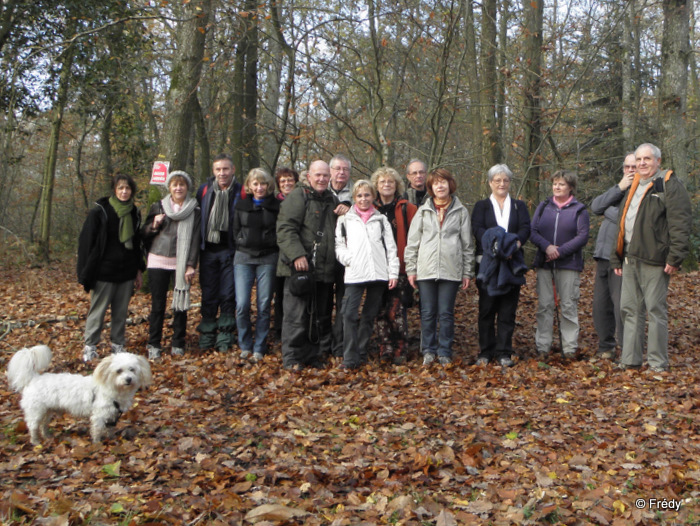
<point x="204" y="198"/>
<point x="502" y="265"/>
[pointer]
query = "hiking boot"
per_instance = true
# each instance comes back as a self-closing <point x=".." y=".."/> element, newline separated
<point x="89" y="353"/>
<point x="153" y="352"/>
<point x="177" y="351"/>
<point x="445" y="360"/>
<point x="506" y="362"/>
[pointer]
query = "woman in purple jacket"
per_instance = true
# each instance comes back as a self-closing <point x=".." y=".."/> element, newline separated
<point x="560" y="228"/>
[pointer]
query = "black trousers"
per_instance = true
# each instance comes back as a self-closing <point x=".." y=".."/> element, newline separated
<point x="159" y="281"/>
<point x="497" y="322"/>
<point x="306" y="326"/>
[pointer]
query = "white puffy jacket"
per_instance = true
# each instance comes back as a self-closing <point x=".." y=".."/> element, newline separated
<point x="359" y="247"/>
<point x="440" y="252"/>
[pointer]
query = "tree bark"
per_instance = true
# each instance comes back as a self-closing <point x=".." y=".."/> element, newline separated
<point x="49" y="175"/>
<point x="250" y="97"/>
<point x="630" y="40"/>
<point x="491" y="153"/>
<point x="184" y="81"/>
<point x="532" y="111"/>
<point x="673" y="89"/>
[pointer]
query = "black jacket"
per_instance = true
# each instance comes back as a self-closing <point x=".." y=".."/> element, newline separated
<point x="101" y="257"/>
<point x="254" y="227"/>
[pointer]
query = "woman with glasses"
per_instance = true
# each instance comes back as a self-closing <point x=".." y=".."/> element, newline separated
<point x="503" y="219"/>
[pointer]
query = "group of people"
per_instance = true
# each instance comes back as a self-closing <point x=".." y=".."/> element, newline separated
<point x="325" y="243"/>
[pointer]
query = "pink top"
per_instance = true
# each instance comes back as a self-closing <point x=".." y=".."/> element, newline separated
<point x="364" y="215"/>
<point x="562" y="205"/>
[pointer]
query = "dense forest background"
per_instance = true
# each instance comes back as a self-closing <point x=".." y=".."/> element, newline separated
<point x="91" y="88"/>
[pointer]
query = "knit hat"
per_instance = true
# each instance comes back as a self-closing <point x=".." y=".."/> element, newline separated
<point x="179" y="173"/>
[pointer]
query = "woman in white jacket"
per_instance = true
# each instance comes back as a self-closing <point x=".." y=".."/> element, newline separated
<point x="364" y="244"/>
<point x="439" y="258"/>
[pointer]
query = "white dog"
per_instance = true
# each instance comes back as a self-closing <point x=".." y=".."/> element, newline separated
<point x="103" y="397"/>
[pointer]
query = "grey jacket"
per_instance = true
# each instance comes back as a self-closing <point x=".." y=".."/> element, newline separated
<point x="163" y="241"/>
<point x="440" y="252"/>
<point x="606" y="205"/>
<point x="345" y="195"/>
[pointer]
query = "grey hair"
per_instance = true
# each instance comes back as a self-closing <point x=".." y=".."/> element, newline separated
<point x="499" y="169"/>
<point x="339" y="157"/>
<point x="655" y="151"/>
<point x="416" y="160"/>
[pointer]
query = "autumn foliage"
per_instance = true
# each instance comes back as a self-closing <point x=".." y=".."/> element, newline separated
<point x="219" y="440"/>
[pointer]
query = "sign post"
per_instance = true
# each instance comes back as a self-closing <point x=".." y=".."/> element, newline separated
<point x="159" y="174"/>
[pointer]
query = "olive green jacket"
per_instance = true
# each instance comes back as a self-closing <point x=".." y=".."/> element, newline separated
<point x="297" y="225"/>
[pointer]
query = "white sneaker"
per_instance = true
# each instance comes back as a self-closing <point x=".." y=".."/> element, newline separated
<point x="257" y="357"/>
<point x="116" y="348"/>
<point x="445" y="360"/>
<point x="153" y="352"/>
<point x="428" y="359"/>
<point x="245" y="354"/>
<point x="177" y="351"/>
<point x="89" y="353"/>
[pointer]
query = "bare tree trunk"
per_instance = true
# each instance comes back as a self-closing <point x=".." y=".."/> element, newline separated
<point x="491" y="153"/>
<point x="503" y="60"/>
<point x="251" y="88"/>
<point x="473" y="80"/>
<point x="202" y="140"/>
<point x="532" y="111"/>
<point x="629" y="105"/>
<point x="238" y="90"/>
<point x="280" y="133"/>
<point x="106" y="147"/>
<point x="48" y="179"/>
<point x="673" y="89"/>
<point x="185" y="77"/>
<point x="7" y="19"/>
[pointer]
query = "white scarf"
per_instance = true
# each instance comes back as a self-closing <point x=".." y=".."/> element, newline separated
<point x="502" y="216"/>
<point x="185" y="225"/>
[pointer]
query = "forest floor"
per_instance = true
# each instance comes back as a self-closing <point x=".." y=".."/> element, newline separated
<point x="220" y="440"/>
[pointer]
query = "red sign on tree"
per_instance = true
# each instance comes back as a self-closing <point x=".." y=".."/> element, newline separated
<point x="160" y="172"/>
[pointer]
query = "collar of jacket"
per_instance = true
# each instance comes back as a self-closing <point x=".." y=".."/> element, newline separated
<point x="247" y="204"/>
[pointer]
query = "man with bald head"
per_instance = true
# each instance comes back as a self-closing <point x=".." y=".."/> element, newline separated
<point x="306" y="238"/>
<point x="652" y="242"/>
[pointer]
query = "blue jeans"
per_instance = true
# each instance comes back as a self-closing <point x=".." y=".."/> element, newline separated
<point x="437" y="307"/>
<point x="244" y="276"/>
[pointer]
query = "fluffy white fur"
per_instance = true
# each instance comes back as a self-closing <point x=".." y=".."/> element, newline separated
<point x="103" y="397"/>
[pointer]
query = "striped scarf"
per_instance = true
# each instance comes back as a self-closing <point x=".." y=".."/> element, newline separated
<point x="218" y="217"/>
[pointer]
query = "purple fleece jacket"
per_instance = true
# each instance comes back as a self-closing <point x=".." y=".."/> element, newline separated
<point x="567" y="228"/>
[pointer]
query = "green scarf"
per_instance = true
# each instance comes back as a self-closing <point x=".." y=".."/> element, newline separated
<point x="126" y="220"/>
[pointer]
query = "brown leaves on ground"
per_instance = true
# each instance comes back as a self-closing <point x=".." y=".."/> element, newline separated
<point x="217" y="440"/>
